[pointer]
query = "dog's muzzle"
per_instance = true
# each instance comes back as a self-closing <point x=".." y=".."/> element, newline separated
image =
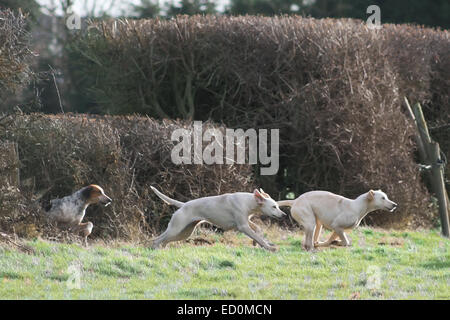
<point x="281" y="216"/>
<point x="393" y="207"/>
<point x="106" y="201"/>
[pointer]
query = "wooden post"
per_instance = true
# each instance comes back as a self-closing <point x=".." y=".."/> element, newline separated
<point x="429" y="152"/>
<point x="417" y="137"/>
<point x="438" y="182"/>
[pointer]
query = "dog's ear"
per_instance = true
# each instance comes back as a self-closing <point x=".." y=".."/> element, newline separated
<point x="86" y="192"/>
<point x="264" y="194"/>
<point x="370" y="195"/>
<point x="258" y="196"/>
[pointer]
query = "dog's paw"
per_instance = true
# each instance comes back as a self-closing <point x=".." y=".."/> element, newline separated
<point x="320" y="244"/>
<point x="341" y="243"/>
<point x="337" y="243"/>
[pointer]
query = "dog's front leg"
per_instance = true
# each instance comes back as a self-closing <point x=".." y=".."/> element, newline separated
<point x="252" y="234"/>
<point x="256" y="229"/>
<point x="259" y="231"/>
<point x="83" y="229"/>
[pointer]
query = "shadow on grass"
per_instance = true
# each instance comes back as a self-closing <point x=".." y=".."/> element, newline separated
<point x="206" y="293"/>
<point x="10" y="275"/>
<point x="59" y="277"/>
<point x="215" y="263"/>
<point x="118" y="268"/>
<point x="437" y="263"/>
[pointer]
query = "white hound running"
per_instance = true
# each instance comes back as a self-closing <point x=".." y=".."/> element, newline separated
<point x="320" y="208"/>
<point x="228" y="211"/>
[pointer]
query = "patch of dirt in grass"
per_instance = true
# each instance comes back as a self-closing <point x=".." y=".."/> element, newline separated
<point x="200" y="241"/>
<point x="391" y="241"/>
<point x="7" y="275"/>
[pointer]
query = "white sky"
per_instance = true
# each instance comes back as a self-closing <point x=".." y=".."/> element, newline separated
<point x="112" y="7"/>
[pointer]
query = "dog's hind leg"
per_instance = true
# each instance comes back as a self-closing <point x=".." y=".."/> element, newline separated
<point x="327" y="243"/>
<point x="180" y="227"/>
<point x="308" y="244"/>
<point x="187" y="231"/>
<point x="317" y="231"/>
<point x="158" y="240"/>
<point x="170" y="235"/>
<point x="306" y="217"/>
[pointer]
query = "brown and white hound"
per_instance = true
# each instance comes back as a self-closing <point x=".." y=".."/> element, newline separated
<point x="68" y="212"/>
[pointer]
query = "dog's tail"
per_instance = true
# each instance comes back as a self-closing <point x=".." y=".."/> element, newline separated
<point x="286" y="203"/>
<point x="166" y="199"/>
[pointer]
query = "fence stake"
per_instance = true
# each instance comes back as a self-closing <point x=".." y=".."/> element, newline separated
<point x="429" y="152"/>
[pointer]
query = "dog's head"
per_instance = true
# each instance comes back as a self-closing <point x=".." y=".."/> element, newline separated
<point x="95" y="194"/>
<point x="268" y="206"/>
<point x="378" y="200"/>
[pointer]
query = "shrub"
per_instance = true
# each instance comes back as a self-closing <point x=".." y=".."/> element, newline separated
<point x="334" y="88"/>
<point x="125" y="155"/>
<point x="15" y="71"/>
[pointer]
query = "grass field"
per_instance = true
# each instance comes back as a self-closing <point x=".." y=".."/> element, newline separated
<point x="379" y="265"/>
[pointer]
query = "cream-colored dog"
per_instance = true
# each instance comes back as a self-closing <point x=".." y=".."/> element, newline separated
<point x="317" y="209"/>
<point x="228" y="211"/>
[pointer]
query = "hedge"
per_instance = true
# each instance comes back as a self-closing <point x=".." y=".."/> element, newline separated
<point x="334" y="88"/>
<point x="125" y="155"/>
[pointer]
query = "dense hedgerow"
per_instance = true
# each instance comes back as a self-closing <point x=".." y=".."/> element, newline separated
<point x="334" y="88"/>
<point x="15" y="53"/>
<point x="125" y="155"/>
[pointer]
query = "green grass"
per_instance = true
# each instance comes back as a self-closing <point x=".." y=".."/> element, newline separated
<point x="380" y="265"/>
